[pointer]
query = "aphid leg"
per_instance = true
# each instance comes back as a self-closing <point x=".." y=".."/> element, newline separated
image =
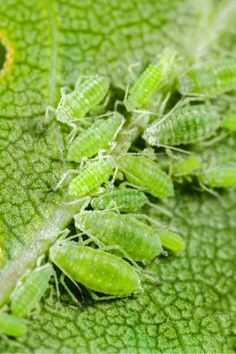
<point x="61" y="181"/>
<point x="72" y="134"/>
<point x="49" y="114"/>
<point x="209" y="190"/>
<point x="104" y="298"/>
<point x="125" y="254"/>
<point x="111" y="183"/>
<point x="150" y="278"/>
<point x="161" y="209"/>
<point x="130" y="69"/>
<point x="63" y="283"/>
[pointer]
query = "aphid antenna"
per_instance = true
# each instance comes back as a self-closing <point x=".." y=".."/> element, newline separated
<point x="214" y="141"/>
<point x="48" y="111"/>
<point x="148" y="218"/>
<point x="161" y="209"/>
<point x="63" y="90"/>
<point x="174" y="149"/>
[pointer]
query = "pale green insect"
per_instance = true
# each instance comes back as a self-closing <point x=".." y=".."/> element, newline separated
<point x="138" y="240"/>
<point x="152" y="79"/>
<point x="28" y="294"/>
<point x="145" y="173"/>
<point x="210" y="79"/>
<point x="219" y="177"/>
<point x="86" y="95"/>
<point x="186" y="125"/>
<point x="229" y="122"/>
<point x="96" y="269"/>
<point x="92" y="177"/>
<point x="186" y="166"/>
<point x="126" y="200"/>
<point x="98" y="136"/>
<point x="171" y="240"/>
<point x="12" y="325"/>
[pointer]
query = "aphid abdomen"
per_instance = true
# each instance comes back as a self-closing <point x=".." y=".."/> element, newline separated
<point x="127" y="200"/>
<point x="186" y="125"/>
<point x="95" y="138"/>
<point x="12" y="325"/>
<point x="28" y="294"/>
<point x="92" y="177"/>
<point x="95" y="269"/>
<point x="187" y="166"/>
<point x="134" y="237"/>
<point x="213" y="79"/>
<point x="145" y="173"/>
<point x="219" y="177"/>
<point x="171" y="240"/>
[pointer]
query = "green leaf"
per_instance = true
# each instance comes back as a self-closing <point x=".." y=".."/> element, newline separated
<point x="49" y="43"/>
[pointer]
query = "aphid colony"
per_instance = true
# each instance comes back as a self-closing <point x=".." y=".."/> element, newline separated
<point x="119" y="183"/>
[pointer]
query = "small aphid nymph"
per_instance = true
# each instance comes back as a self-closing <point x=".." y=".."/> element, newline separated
<point x="96" y="269"/>
<point x="219" y="177"/>
<point x="186" y="167"/>
<point x="171" y="240"/>
<point x="134" y="237"/>
<point x="146" y="174"/>
<point x="186" y="125"/>
<point x="92" y="177"/>
<point x="12" y="325"/>
<point x="99" y="136"/>
<point x="28" y="294"/>
<point x="86" y="95"/>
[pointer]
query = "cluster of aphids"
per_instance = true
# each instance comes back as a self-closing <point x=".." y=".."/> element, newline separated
<point x="116" y="180"/>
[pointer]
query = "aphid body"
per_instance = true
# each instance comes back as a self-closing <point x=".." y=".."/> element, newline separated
<point x="145" y="173"/>
<point x="85" y="96"/>
<point x="219" y="177"/>
<point x="171" y="240"/>
<point x="187" y="166"/>
<point x="96" y="269"/>
<point x="12" y="325"/>
<point x="151" y="80"/>
<point x="28" y="294"/>
<point x="92" y="177"/>
<point x="133" y="236"/>
<point x="126" y="200"/>
<point x="186" y="125"/>
<point x="210" y="79"/>
<point x="229" y="122"/>
<point x="95" y="138"/>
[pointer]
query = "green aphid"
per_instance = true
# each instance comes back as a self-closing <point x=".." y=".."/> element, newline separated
<point x="97" y="270"/>
<point x="98" y="136"/>
<point x="146" y="174"/>
<point x="171" y="240"/>
<point x="126" y="200"/>
<point x="86" y="95"/>
<point x="186" y="125"/>
<point x="28" y="294"/>
<point x="209" y="79"/>
<point x="138" y="240"/>
<point x="12" y="325"/>
<point x="92" y="177"/>
<point x="219" y="177"/>
<point x="186" y="167"/>
<point x="229" y="122"/>
<point x="152" y="79"/>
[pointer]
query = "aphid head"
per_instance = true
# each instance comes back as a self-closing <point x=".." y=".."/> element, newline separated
<point x="185" y="85"/>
